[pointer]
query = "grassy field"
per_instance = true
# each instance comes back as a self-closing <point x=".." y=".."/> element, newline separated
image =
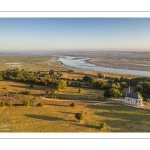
<point x="38" y="91"/>
<point x="59" y="117"/>
<point x="86" y="94"/>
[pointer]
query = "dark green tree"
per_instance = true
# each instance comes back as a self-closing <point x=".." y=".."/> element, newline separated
<point x="112" y="93"/>
<point x="79" y="116"/>
<point x="101" y="75"/>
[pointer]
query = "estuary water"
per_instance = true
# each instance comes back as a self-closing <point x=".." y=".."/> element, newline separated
<point x="79" y="62"/>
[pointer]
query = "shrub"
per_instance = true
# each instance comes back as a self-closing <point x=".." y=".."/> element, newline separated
<point x="80" y="90"/>
<point x="148" y="100"/>
<point x="31" y="85"/>
<point x="73" y="105"/>
<point x="2" y="104"/>
<point x="48" y="93"/>
<point x="8" y="104"/>
<point x="79" y="116"/>
<point x="40" y="104"/>
<point x="26" y="92"/>
<point x="103" y="125"/>
<point x="26" y="103"/>
<point x="101" y="75"/>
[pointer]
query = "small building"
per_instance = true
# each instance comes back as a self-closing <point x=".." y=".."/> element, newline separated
<point x="133" y="99"/>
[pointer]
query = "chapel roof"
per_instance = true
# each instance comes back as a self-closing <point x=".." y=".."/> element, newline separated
<point x="133" y="95"/>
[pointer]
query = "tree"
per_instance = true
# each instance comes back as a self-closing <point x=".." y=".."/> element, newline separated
<point x="124" y="84"/>
<point x="115" y="85"/>
<point x="79" y="116"/>
<point x="112" y="93"/>
<point x="19" y="69"/>
<point x="101" y="75"/>
<point x="51" y="72"/>
<point x="138" y="88"/>
<point x="89" y="79"/>
<point x="61" y="85"/>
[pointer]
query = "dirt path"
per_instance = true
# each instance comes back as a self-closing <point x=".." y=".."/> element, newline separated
<point x="97" y="102"/>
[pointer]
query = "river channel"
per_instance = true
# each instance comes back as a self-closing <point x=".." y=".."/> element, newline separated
<point x="77" y="62"/>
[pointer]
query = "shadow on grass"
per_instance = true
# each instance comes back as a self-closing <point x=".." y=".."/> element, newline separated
<point x="27" y="86"/>
<point x="67" y="112"/>
<point x="42" y="117"/>
<point x="114" y="107"/>
<point x="87" y="126"/>
<point x="22" y="86"/>
<point x="57" y="105"/>
<point x="126" y="122"/>
<point x="135" y="117"/>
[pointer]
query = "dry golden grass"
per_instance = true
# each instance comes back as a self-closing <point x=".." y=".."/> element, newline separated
<point x="59" y="117"/>
<point x="17" y="87"/>
<point x="72" y="76"/>
<point x="38" y="91"/>
<point x="86" y="94"/>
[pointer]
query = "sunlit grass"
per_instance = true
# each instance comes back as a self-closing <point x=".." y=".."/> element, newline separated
<point x="59" y="117"/>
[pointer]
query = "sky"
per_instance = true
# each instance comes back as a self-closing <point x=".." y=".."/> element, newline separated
<point x="71" y="34"/>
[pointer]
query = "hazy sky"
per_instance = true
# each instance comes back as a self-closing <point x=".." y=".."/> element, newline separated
<point x="19" y="34"/>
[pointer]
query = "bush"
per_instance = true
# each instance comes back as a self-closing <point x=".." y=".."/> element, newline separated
<point x="31" y="85"/>
<point x="73" y="105"/>
<point x="8" y="104"/>
<point x="48" y="93"/>
<point x="148" y="100"/>
<point x="103" y="125"/>
<point x="40" y="104"/>
<point x="2" y="104"/>
<point x="25" y="92"/>
<point x="79" y="116"/>
<point x="26" y="103"/>
<point x="101" y="75"/>
<point x="80" y="90"/>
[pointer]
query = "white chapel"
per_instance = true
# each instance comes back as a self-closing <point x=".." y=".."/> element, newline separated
<point x="133" y="99"/>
